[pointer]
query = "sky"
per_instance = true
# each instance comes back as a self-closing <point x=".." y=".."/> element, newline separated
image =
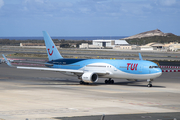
<point x="88" y="17"/>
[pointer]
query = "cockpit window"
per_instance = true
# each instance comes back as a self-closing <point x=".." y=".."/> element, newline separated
<point x="153" y="67"/>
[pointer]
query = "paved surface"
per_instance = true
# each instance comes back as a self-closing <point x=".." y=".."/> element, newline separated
<point x="98" y="53"/>
<point x="43" y="95"/>
<point x="146" y="116"/>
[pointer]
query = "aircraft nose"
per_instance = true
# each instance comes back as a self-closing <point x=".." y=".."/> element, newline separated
<point x="159" y="71"/>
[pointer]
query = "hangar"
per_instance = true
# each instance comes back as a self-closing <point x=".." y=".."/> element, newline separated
<point x="109" y="43"/>
<point x="152" y="46"/>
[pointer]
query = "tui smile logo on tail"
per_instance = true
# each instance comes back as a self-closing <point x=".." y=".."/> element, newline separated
<point x="49" y="51"/>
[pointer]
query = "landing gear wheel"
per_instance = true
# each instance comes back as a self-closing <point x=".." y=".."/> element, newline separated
<point x="112" y="81"/>
<point x="149" y="85"/>
<point x="81" y="82"/>
<point x="150" y="82"/>
<point x="109" y="81"/>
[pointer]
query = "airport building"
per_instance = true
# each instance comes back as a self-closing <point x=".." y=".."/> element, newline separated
<point x="151" y="46"/>
<point x="109" y="43"/>
<point x="87" y="46"/>
<point x="174" y="47"/>
<point x="32" y="44"/>
<point x="123" y="47"/>
<point x="36" y="45"/>
<point x="113" y="44"/>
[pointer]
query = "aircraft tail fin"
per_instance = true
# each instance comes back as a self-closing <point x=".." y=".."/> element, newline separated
<point x="51" y="49"/>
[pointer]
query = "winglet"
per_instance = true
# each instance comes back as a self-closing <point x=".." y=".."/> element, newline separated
<point x="140" y="57"/>
<point x="8" y="63"/>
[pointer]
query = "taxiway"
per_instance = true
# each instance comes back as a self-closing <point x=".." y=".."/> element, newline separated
<point x="37" y="95"/>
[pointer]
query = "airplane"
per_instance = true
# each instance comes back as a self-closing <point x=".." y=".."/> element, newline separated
<point x="89" y="70"/>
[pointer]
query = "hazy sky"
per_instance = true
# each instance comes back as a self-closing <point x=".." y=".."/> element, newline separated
<point x="88" y="17"/>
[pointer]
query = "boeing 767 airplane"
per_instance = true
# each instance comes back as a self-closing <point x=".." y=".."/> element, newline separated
<point x="89" y="70"/>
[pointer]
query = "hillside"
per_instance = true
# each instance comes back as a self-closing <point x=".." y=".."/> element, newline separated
<point x="152" y="36"/>
<point x="151" y="33"/>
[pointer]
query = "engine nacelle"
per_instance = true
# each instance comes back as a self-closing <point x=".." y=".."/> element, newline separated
<point x="90" y="77"/>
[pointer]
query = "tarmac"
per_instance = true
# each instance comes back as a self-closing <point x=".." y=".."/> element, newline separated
<point x="44" y="95"/>
<point x="97" y="53"/>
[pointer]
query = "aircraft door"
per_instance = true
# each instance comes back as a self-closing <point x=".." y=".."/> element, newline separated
<point x="104" y="44"/>
<point x="150" y="71"/>
<point x="115" y="69"/>
<point x="140" y="68"/>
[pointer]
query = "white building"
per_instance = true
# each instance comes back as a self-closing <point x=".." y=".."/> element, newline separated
<point x="146" y="48"/>
<point x="87" y="46"/>
<point x="84" y="46"/>
<point x="152" y="46"/>
<point x="174" y="47"/>
<point x="123" y="47"/>
<point x="109" y="43"/>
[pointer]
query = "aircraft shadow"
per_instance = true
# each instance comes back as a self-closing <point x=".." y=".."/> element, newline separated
<point x="131" y="83"/>
<point x="76" y="83"/>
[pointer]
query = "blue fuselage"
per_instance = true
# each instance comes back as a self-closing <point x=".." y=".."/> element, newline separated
<point x="129" y="67"/>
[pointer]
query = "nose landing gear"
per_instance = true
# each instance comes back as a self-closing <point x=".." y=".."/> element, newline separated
<point x="150" y="82"/>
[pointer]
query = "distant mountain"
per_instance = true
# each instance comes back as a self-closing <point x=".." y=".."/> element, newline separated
<point x="151" y="33"/>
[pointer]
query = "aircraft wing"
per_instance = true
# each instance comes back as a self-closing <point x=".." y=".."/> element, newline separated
<point x="53" y="69"/>
<point x="30" y="62"/>
<point x="61" y="70"/>
<point x="43" y="68"/>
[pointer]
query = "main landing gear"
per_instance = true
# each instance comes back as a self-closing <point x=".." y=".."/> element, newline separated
<point x="150" y="82"/>
<point x="109" y="81"/>
<point x="83" y="83"/>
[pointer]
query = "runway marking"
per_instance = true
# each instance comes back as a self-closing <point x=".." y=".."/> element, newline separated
<point x="139" y="103"/>
<point x="150" y="104"/>
<point x="146" y="117"/>
<point x="170" y="107"/>
<point x="39" y="111"/>
<point x="4" y="78"/>
<point x="106" y="89"/>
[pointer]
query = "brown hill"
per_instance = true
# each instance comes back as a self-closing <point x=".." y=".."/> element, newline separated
<point x="151" y="33"/>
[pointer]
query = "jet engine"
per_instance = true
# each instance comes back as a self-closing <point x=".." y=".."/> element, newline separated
<point x="90" y="77"/>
